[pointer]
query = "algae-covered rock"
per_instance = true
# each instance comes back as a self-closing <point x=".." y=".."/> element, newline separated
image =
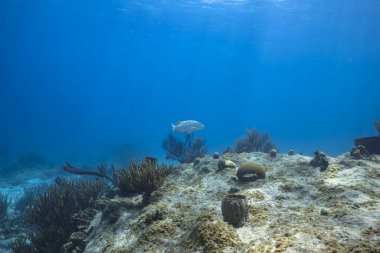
<point x="359" y="152"/>
<point x="157" y="233"/>
<point x="223" y="164"/>
<point x="273" y="152"/>
<point x="320" y="160"/>
<point x="213" y="235"/>
<point x="150" y="214"/>
<point x="250" y="171"/>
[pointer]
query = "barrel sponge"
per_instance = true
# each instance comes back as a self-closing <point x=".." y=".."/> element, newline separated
<point x="235" y="209"/>
<point x="250" y="171"/>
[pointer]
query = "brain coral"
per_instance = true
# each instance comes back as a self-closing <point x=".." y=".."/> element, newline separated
<point x="250" y="171"/>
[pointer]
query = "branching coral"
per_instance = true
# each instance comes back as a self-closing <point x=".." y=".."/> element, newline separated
<point x="51" y="213"/>
<point x="254" y="141"/>
<point x="144" y="177"/>
<point x="184" y="151"/>
<point x="21" y="245"/>
<point x="102" y="171"/>
<point x="29" y="196"/>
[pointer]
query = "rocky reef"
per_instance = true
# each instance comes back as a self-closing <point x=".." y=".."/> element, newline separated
<point x="247" y="202"/>
<point x="295" y="208"/>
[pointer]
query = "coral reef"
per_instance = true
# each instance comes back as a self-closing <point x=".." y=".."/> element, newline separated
<point x="359" y="152"/>
<point x="296" y="209"/>
<point x="235" y="209"/>
<point x="250" y="171"/>
<point x="254" y="141"/>
<point x="4" y="203"/>
<point x="184" y="151"/>
<point x="144" y="177"/>
<point x="215" y="155"/>
<point x="291" y="152"/>
<point x="320" y="160"/>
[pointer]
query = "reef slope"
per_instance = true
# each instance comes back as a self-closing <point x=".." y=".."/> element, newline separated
<point x="296" y="208"/>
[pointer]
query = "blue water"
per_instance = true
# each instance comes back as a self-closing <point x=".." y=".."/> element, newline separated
<point x="80" y="79"/>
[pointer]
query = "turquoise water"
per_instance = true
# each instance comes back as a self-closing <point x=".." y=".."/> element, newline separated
<point x="81" y="80"/>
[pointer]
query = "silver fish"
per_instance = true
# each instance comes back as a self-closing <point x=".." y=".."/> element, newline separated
<point x="187" y="126"/>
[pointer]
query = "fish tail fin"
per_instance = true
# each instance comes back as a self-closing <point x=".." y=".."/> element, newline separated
<point x="173" y="127"/>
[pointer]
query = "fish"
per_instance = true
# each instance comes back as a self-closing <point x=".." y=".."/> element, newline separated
<point x="187" y="126"/>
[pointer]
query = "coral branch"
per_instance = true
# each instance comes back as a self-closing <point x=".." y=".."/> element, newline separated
<point x="73" y="170"/>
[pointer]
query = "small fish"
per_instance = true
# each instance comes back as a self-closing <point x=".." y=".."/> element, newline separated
<point x="187" y="126"/>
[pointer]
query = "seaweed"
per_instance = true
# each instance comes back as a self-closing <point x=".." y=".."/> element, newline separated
<point x="144" y="177"/>
<point x="4" y="204"/>
<point x="254" y="141"/>
<point x="50" y="215"/>
<point x="184" y="151"/>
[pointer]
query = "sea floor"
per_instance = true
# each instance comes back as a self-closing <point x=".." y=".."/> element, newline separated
<point x="296" y="208"/>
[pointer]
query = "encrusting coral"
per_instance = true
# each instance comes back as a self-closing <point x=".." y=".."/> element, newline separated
<point x="212" y="235"/>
